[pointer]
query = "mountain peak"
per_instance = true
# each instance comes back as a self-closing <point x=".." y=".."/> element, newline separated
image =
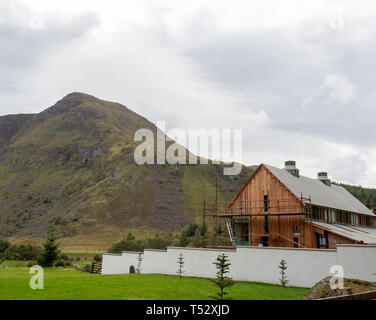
<point x="79" y="96"/>
<point x="69" y="102"/>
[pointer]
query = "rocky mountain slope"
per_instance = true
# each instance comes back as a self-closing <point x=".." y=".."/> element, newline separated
<point x="70" y="169"/>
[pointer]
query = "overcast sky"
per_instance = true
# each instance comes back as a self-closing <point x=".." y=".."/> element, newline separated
<point x="296" y="76"/>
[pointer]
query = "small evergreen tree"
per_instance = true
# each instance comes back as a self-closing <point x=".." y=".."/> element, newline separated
<point x="180" y="265"/>
<point x="203" y="229"/>
<point x="184" y="239"/>
<point x="283" y="268"/>
<point x="50" y="252"/>
<point x="139" y="264"/>
<point x="219" y="229"/>
<point x="222" y="281"/>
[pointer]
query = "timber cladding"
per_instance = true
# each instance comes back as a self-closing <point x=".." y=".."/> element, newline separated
<point x="267" y="213"/>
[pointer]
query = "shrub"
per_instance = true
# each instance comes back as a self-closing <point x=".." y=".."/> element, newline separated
<point x="4" y="245"/>
<point x="60" y="264"/>
<point x="64" y="257"/>
<point x="131" y="244"/>
<point x="191" y="229"/>
<point x="126" y="245"/>
<point x="21" y="253"/>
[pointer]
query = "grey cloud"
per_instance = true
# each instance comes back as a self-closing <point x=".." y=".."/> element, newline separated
<point x="279" y="69"/>
<point x="351" y="169"/>
<point x="22" y="46"/>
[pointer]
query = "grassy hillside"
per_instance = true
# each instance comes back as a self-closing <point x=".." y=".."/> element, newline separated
<point x="70" y="169"/>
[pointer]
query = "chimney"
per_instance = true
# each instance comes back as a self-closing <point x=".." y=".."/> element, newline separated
<point x="290" y="166"/>
<point x="323" y="177"/>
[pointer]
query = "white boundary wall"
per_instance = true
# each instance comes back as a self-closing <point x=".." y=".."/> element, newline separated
<point x="260" y="264"/>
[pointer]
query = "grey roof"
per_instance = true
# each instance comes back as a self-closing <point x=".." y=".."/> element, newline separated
<point x="365" y="235"/>
<point x="333" y="196"/>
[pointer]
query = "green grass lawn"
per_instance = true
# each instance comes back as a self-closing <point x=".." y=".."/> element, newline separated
<point x="70" y="284"/>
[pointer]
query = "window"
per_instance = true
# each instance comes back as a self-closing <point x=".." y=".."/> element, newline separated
<point x="322" y="240"/>
<point x="315" y="213"/>
<point x="356" y="222"/>
<point x="347" y="219"/>
<point x="241" y="231"/>
<point x="368" y="221"/>
<point x="333" y="216"/>
<point x="266" y="203"/>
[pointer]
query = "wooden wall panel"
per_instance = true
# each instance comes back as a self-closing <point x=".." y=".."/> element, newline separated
<point x="281" y="200"/>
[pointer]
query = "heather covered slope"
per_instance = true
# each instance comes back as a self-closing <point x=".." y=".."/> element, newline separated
<point x="71" y="169"/>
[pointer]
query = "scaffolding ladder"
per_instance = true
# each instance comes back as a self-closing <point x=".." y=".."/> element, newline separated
<point x="230" y="231"/>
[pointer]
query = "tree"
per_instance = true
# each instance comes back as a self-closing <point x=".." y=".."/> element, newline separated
<point x="50" y="252"/>
<point x="219" y="229"/>
<point x="222" y="281"/>
<point x="3" y="256"/>
<point x="139" y="264"/>
<point x="127" y="244"/>
<point x="197" y="242"/>
<point x="4" y="245"/>
<point x="130" y="236"/>
<point x="283" y="268"/>
<point x="191" y="229"/>
<point x="203" y="230"/>
<point x="180" y="265"/>
<point x="183" y="239"/>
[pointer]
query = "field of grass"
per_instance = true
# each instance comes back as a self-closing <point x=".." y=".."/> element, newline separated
<point x="70" y="284"/>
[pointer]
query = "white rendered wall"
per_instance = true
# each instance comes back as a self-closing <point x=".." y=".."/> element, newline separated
<point x="260" y="264"/>
<point x="154" y="261"/>
<point x="113" y="264"/>
<point x="358" y="262"/>
<point x="119" y="264"/>
<point x="197" y="262"/>
<point x="305" y="267"/>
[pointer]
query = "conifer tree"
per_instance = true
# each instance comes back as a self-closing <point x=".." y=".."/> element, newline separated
<point x="283" y="268"/>
<point x="180" y="265"/>
<point x="139" y="264"/>
<point x="222" y="281"/>
<point x="50" y="252"/>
